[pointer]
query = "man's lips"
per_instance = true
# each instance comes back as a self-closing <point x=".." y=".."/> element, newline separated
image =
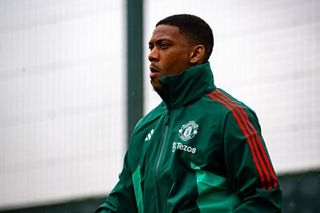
<point x="154" y="71"/>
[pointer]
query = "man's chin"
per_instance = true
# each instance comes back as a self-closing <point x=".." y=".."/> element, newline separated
<point x="156" y="85"/>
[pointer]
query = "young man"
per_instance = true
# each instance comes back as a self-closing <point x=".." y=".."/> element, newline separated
<point x="200" y="150"/>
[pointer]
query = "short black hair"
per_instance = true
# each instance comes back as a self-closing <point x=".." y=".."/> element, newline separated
<point x="195" y="28"/>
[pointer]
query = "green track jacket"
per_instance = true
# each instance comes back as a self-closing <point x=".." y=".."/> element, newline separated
<point x="200" y="150"/>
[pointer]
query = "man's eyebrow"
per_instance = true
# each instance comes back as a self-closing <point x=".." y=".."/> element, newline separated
<point x="159" y="41"/>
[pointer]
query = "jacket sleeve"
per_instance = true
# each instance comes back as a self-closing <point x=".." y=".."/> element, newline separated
<point x="121" y="199"/>
<point x="249" y="167"/>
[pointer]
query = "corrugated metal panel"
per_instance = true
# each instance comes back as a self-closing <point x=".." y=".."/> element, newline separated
<point x="266" y="54"/>
<point x="62" y="111"/>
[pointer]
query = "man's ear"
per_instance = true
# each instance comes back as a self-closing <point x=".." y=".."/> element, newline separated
<point x="197" y="54"/>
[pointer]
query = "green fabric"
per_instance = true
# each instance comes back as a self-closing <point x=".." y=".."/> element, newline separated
<point x="187" y="86"/>
<point x="206" y="162"/>
<point x="214" y="193"/>
<point x="136" y="179"/>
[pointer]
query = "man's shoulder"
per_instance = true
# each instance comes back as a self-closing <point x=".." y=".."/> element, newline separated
<point x="151" y="116"/>
<point x="223" y="103"/>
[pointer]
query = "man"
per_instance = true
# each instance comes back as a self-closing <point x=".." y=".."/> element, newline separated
<point x="200" y="150"/>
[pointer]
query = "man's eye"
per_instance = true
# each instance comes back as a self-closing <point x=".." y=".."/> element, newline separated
<point x="164" y="45"/>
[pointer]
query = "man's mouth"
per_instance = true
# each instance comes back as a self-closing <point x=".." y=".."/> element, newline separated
<point x="154" y="71"/>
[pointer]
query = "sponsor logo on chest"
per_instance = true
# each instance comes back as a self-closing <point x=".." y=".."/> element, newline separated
<point x="183" y="147"/>
<point x="186" y="133"/>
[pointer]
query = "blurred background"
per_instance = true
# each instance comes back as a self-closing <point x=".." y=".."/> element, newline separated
<point x="74" y="80"/>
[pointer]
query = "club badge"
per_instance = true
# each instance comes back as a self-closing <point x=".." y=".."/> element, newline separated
<point x="188" y="131"/>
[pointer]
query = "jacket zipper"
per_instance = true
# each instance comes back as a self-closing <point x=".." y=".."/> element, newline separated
<point x="159" y="160"/>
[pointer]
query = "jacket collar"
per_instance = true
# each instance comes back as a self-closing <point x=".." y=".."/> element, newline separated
<point x="187" y="86"/>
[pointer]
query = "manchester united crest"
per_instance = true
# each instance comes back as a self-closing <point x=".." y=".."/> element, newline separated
<point x="188" y="131"/>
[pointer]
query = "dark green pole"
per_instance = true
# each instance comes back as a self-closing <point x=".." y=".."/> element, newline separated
<point x="134" y="63"/>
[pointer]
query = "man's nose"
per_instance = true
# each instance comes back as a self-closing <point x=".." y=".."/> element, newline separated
<point x="153" y="55"/>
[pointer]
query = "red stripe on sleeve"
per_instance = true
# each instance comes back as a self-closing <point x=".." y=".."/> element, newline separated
<point x="246" y="135"/>
<point x="251" y="134"/>
<point x="259" y="142"/>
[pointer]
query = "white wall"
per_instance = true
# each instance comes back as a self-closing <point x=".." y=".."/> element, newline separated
<point x="62" y="103"/>
<point x="266" y="54"/>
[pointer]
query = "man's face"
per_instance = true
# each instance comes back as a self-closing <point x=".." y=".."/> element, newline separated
<point x="169" y="53"/>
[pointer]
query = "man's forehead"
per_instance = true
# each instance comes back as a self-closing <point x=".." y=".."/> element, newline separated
<point x="165" y="32"/>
